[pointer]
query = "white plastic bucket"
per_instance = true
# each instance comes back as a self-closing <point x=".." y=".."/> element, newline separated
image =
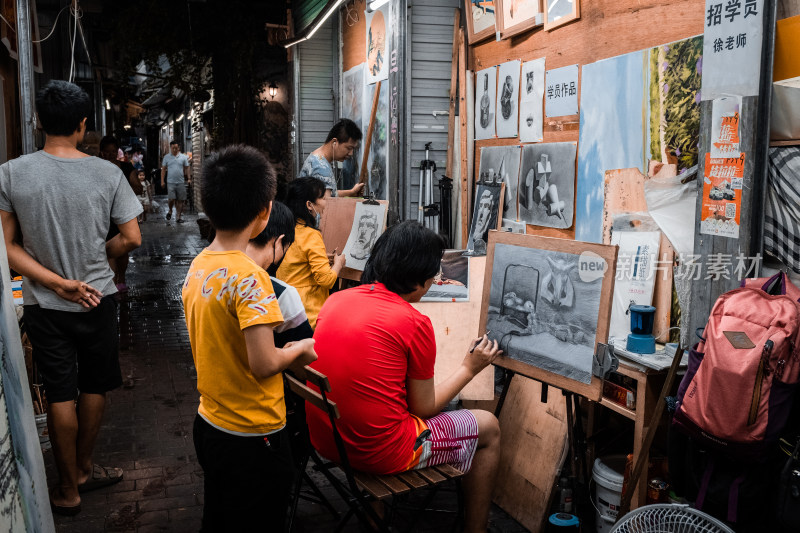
<point x="608" y="473"/>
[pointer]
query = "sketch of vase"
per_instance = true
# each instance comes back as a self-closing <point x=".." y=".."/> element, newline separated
<point x="505" y="98"/>
<point x="485" y="104"/>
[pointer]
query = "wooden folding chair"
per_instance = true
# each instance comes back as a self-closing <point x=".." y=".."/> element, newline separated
<point x="360" y="489"/>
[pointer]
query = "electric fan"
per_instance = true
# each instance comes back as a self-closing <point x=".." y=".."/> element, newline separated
<point x="669" y="518"/>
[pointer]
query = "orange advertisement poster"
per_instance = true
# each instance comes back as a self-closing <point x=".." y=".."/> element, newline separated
<point x="722" y="196"/>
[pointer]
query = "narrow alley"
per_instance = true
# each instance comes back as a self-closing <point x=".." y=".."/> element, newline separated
<point x="147" y="430"/>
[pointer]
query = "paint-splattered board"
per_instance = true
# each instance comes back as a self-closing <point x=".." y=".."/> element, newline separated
<point x="456" y="327"/>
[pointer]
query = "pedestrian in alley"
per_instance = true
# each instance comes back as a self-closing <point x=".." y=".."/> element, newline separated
<point x="306" y="266"/>
<point x="231" y="308"/>
<point x="175" y="169"/>
<point x="342" y="140"/>
<point x="55" y="207"/>
<point x="109" y="148"/>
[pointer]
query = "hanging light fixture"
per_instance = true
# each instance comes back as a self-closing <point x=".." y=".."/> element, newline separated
<point x="273" y="89"/>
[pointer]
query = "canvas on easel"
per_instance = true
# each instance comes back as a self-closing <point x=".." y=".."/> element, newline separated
<point x="548" y="303"/>
<point x="336" y="225"/>
<point x="369" y="221"/>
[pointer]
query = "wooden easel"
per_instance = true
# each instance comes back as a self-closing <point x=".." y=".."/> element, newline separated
<point x="576" y="438"/>
<point x="362" y="178"/>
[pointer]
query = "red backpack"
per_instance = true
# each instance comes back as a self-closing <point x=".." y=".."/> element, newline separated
<point x="737" y="392"/>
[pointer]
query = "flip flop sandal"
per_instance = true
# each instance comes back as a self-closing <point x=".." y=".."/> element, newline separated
<point x="63" y="510"/>
<point x="102" y="476"/>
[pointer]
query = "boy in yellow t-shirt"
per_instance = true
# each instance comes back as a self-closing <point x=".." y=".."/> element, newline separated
<point x="231" y="308"/>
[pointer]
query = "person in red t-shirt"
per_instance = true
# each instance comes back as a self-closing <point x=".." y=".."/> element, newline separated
<point x="378" y="353"/>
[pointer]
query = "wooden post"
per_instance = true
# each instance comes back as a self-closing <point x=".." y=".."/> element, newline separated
<point x="466" y="188"/>
<point x="368" y="140"/>
<point x="754" y="142"/>
<point x="454" y="75"/>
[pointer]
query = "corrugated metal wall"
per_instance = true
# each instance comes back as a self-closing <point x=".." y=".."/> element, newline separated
<point x="318" y="66"/>
<point x="431" y="47"/>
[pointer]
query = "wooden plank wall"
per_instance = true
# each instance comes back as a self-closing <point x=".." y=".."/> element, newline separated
<point x="607" y="28"/>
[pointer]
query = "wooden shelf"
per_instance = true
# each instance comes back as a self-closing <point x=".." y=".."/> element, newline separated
<point x="792" y="142"/>
<point x="617" y="408"/>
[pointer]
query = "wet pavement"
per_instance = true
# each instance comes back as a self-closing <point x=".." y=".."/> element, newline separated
<point x="147" y="428"/>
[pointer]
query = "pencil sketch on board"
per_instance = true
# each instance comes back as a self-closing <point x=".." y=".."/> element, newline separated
<point x="501" y="163"/>
<point x="541" y="312"/>
<point x="547" y="184"/>
<point x="484" y="217"/>
<point x="531" y="101"/>
<point x="368" y="224"/>
<point x="485" y="99"/>
<point x="508" y="103"/>
<point x="451" y="284"/>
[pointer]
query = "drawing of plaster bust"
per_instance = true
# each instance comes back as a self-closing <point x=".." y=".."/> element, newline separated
<point x="482" y="220"/>
<point x="366" y="233"/>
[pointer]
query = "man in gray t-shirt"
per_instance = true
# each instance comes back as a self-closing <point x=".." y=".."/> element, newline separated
<point x="55" y="209"/>
<point x="175" y="166"/>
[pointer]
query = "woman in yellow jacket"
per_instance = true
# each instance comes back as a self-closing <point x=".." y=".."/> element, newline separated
<point x="306" y="266"/>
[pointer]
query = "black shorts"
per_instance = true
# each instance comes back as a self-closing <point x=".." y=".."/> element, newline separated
<point x="247" y="480"/>
<point x="75" y="351"/>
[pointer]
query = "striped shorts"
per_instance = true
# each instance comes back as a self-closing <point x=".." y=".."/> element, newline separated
<point x="453" y="440"/>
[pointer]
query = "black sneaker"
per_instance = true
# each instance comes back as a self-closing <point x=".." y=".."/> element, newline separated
<point x="169" y="215"/>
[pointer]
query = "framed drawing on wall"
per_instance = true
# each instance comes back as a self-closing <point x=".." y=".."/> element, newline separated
<point x="559" y="12"/>
<point x="480" y="19"/>
<point x="517" y="16"/>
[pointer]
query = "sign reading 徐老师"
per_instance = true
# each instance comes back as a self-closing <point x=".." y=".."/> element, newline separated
<point x="732" y="48"/>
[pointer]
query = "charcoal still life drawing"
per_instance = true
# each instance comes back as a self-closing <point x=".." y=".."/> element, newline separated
<point x="500" y="164"/>
<point x="368" y="225"/>
<point x="451" y="284"/>
<point x="542" y="312"/>
<point x="547" y="184"/>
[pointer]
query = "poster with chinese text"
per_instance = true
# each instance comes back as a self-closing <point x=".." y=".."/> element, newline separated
<point x="561" y="91"/>
<point x="732" y="48"/>
<point x="722" y="196"/>
<point x="725" y="126"/>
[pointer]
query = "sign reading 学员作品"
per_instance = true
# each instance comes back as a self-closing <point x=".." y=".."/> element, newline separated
<point x="732" y="48"/>
<point x="561" y="91"/>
